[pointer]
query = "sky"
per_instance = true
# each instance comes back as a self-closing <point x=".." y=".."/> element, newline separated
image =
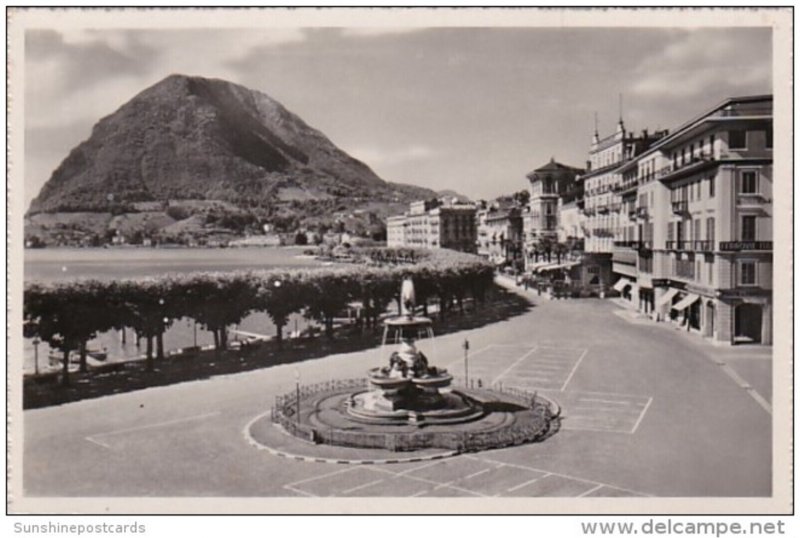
<point x="468" y="109"/>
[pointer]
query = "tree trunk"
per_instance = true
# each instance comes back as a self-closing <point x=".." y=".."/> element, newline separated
<point x="84" y="367"/>
<point x="124" y="337"/>
<point x="461" y="304"/>
<point x="160" y="346"/>
<point x="138" y="339"/>
<point x="279" y="333"/>
<point x="149" y="353"/>
<point x="329" y="327"/>
<point x="223" y="338"/>
<point x="65" y="371"/>
<point x="216" y="338"/>
<point x="442" y="306"/>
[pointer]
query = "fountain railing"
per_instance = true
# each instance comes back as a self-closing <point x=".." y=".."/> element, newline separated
<point x="540" y="413"/>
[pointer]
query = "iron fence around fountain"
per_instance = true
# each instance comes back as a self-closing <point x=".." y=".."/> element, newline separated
<point x="534" y="423"/>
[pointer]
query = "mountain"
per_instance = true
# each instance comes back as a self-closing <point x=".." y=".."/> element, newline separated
<point x="202" y="140"/>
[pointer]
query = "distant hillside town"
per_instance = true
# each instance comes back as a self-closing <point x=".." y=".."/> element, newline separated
<point x="679" y="224"/>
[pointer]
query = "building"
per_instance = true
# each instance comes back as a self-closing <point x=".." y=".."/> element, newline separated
<point x="435" y="224"/>
<point x="396" y="231"/>
<point x="607" y="219"/>
<point x="547" y="184"/>
<point x="701" y="238"/>
<point x="500" y="236"/>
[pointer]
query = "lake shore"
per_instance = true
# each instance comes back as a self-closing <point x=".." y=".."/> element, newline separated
<point x="45" y="390"/>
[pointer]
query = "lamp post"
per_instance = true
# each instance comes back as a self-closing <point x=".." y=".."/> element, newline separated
<point x="466" y="362"/>
<point x="36" y="343"/>
<point x="297" y="391"/>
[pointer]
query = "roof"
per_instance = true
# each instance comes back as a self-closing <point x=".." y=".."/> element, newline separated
<point x="695" y="121"/>
<point x="554" y="166"/>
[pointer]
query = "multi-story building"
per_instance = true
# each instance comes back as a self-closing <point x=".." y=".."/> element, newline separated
<point x="434" y="224"/>
<point x="701" y="244"/>
<point x="502" y="233"/>
<point x="396" y="231"/>
<point x="547" y="184"/>
<point x="606" y="203"/>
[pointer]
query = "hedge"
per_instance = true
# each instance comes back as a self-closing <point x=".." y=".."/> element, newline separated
<point x="68" y="314"/>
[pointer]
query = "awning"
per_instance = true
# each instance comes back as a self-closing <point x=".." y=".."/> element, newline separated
<point x="621" y="284"/>
<point x="667" y="297"/>
<point x="686" y="301"/>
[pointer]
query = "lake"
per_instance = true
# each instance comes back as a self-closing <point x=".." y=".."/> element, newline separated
<point x="51" y="265"/>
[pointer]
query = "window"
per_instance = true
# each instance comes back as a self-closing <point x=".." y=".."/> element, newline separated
<point x="768" y="138"/>
<point x="749" y="183"/>
<point x="748" y="228"/>
<point x="747" y="273"/>
<point x="696" y="229"/>
<point x="710" y="268"/>
<point x="670" y="231"/>
<point x="737" y="139"/>
<point x="710" y="229"/>
<point x="712" y="184"/>
<point x="712" y="140"/>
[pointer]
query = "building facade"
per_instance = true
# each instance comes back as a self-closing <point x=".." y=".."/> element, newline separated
<point x="547" y="185"/>
<point x="699" y="253"/>
<point x="500" y="236"/>
<point x="434" y="224"/>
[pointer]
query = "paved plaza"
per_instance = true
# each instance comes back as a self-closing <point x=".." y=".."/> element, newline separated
<point x="647" y="411"/>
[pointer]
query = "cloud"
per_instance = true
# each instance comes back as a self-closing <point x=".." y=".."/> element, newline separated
<point x="374" y="156"/>
<point x="703" y="61"/>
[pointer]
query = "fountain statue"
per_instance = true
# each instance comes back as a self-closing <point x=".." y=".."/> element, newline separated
<point x="409" y="388"/>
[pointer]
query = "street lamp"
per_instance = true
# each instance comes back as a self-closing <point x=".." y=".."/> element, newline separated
<point x="297" y="391"/>
<point x="36" y="343"/>
<point x="466" y="362"/>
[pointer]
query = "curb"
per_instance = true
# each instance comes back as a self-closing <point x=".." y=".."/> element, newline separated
<point x="340" y="461"/>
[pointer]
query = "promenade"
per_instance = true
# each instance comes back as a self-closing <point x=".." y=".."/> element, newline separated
<point x="648" y="411"/>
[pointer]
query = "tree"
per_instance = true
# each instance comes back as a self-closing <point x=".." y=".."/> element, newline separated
<point x="300" y="238"/>
<point x="522" y="198"/>
<point x="217" y="300"/>
<point x="280" y="294"/>
<point x="66" y="316"/>
<point x="329" y="293"/>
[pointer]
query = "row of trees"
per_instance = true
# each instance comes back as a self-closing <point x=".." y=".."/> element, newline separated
<point x="67" y="315"/>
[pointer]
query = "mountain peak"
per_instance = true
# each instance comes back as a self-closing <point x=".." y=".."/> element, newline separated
<point x="190" y="137"/>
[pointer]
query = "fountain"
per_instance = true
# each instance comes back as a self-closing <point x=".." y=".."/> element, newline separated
<point x="410" y="404"/>
<point x="409" y="389"/>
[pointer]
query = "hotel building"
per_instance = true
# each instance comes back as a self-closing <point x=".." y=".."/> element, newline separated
<point x="547" y="184"/>
<point x="434" y="224"/>
<point x="698" y="248"/>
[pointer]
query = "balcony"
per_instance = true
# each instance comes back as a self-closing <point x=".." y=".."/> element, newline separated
<point x="602" y="210"/>
<point x="738" y="246"/>
<point x="641" y="212"/>
<point x="626" y="186"/>
<point x="627" y="244"/>
<point x="692" y="165"/>
<point x="705" y="245"/>
<point x="680" y="207"/>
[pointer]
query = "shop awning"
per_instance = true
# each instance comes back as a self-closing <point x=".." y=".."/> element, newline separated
<point x="622" y="283"/>
<point x="686" y="301"/>
<point x="667" y="297"/>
